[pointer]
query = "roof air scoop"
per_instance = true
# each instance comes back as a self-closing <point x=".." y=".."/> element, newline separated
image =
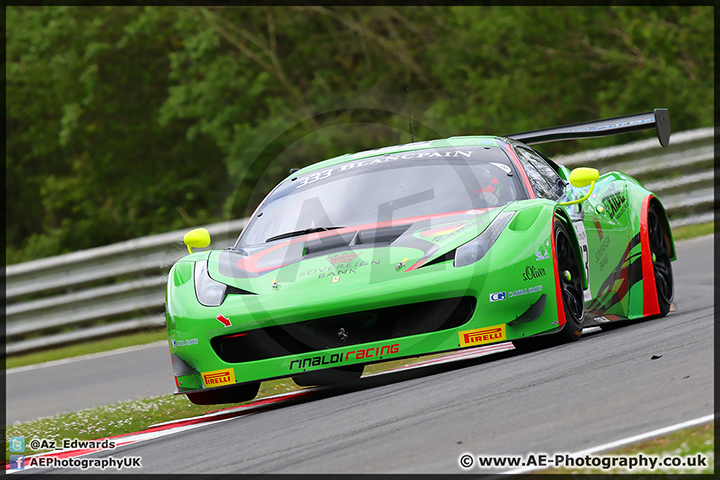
<point x="385" y="235"/>
<point x="323" y="244"/>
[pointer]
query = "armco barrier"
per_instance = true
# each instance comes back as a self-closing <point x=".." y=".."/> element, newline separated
<point x="92" y="293"/>
<point x="120" y="288"/>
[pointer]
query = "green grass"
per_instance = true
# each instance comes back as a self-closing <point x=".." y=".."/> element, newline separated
<point x="85" y="348"/>
<point x="687" y="442"/>
<point x="690" y="231"/>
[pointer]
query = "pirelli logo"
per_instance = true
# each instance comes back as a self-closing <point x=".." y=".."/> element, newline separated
<point x="479" y="336"/>
<point x="217" y="378"/>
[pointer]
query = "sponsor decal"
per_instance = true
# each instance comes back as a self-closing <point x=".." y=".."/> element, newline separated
<point x="337" y="269"/>
<point x="217" y="378"/>
<point x="601" y="257"/>
<point x="601" y="319"/>
<point x="480" y="336"/>
<point x="335" y="279"/>
<point x="614" y="125"/>
<point x="598" y="227"/>
<point x="496" y="297"/>
<point x="372" y="352"/>
<point x="320" y="175"/>
<point x="502" y="167"/>
<point x="583" y="243"/>
<point x="314" y="177"/>
<point x="615" y="202"/>
<point x="184" y="343"/>
<point x="275" y="284"/>
<point x="315" y="361"/>
<point x="602" y="262"/>
<point x="224" y="320"/>
<point x="533" y="272"/>
<point x="542" y="252"/>
<point x="342" y="258"/>
<point x="524" y="291"/>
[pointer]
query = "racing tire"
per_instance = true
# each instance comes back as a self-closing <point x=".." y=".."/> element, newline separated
<point x="234" y="394"/>
<point x="662" y="270"/>
<point x="329" y="376"/>
<point x="571" y="288"/>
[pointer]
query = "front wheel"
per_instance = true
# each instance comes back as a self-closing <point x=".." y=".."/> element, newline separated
<point x="571" y="287"/>
<point x="571" y="291"/>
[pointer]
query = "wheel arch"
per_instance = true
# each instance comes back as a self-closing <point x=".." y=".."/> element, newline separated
<point x="665" y="224"/>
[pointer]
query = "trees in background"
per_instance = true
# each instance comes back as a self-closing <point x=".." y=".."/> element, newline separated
<point x="128" y="121"/>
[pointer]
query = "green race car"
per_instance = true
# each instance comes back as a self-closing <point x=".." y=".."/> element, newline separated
<point x="416" y="249"/>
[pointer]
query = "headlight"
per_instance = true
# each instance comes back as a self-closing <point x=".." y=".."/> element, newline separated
<point x="476" y="248"/>
<point x="208" y="292"/>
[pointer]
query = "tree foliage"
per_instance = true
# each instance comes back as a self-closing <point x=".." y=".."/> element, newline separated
<point x="128" y="121"/>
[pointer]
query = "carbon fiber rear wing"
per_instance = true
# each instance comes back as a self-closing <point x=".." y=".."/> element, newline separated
<point x="658" y="119"/>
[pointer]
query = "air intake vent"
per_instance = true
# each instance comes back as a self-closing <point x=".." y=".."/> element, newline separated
<point x="345" y="330"/>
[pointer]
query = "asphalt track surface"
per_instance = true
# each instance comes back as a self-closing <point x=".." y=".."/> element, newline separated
<point x="97" y="380"/>
<point x="603" y="388"/>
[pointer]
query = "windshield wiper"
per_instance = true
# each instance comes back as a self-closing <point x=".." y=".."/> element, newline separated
<point x="300" y="232"/>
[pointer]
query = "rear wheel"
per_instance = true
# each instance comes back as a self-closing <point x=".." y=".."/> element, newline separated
<point x="234" y="394"/>
<point x="661" y="262"/>
<point x="570" y="285"/>
<point x="329" y="376"/>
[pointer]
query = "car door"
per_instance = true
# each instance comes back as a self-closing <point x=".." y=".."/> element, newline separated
<point x="548" y="184"/>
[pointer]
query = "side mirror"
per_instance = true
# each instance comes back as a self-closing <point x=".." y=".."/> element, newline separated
<point x="197" y="238"/>
<point x="582" y="177"/>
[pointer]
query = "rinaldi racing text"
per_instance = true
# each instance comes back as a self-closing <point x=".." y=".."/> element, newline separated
<point x="339" y="357"/>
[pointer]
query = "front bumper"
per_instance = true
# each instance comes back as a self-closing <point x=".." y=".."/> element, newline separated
<point x="500" y="314"/>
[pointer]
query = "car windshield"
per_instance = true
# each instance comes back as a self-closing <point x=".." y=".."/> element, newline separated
<point x="386" y="187"/>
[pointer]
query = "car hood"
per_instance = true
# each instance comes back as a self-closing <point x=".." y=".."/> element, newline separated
<point x="384" y="248"/>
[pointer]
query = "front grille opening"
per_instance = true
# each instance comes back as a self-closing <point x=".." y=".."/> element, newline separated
<point x="345" y="330"/>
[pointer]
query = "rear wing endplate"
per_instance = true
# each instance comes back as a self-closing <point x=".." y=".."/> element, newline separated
<point x="658" y="119"/>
